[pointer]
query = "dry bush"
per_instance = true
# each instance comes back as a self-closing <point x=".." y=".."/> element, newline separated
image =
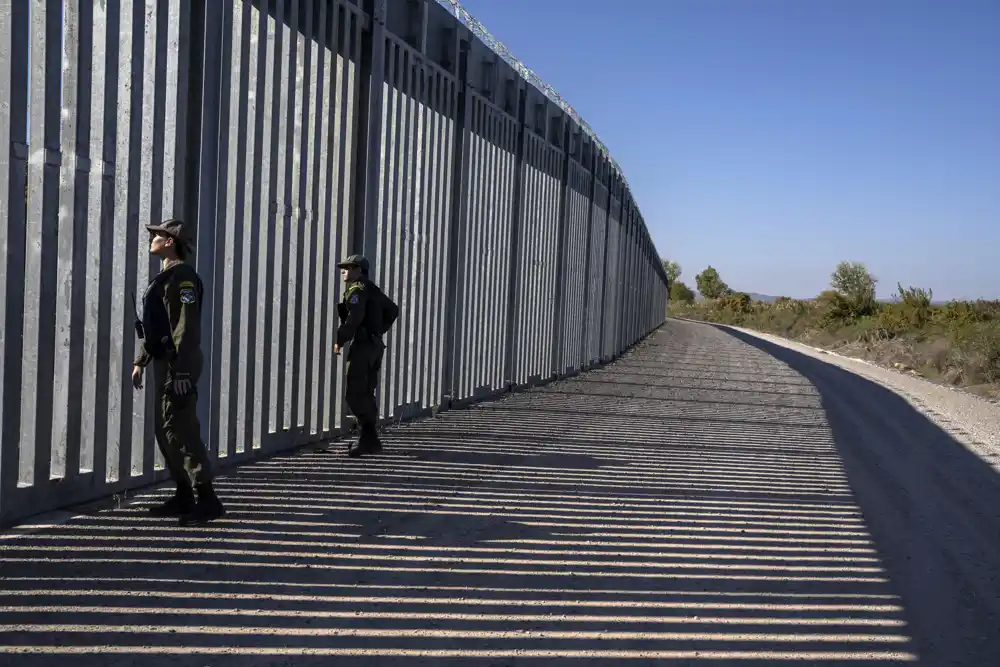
<point x="957" y="343"/>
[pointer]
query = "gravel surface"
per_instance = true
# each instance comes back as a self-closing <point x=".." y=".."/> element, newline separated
<point x="710" y="498"/>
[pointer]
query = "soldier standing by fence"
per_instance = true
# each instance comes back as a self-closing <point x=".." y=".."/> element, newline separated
<point x="366" y="313"/>
<point x="170" y="337"/>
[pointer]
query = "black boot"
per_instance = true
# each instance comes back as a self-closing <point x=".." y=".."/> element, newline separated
<point x="368" y="442"/>
<point x="209" y="507"/>
<point x="180" y="503"/>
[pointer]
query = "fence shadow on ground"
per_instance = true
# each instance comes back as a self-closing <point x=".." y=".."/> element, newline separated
<point x="931" y="504"/>
<point x="600" y="520"/>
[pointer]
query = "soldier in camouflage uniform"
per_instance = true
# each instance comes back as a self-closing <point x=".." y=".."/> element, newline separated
<point x="170" y="338"/>
<point x="366" y="313"/>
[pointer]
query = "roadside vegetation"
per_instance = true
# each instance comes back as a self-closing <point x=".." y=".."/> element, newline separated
<point x="955" y="343"/>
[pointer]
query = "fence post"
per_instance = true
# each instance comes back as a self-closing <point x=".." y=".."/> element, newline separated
<point x="454" y="307"/>
<point x="558" y="366"/>
<point x="585" y="338"/>
<point x="602" y="301"/>
<point x="364" y="236"/>
<point x="517" y="221"/>
<point x="15" y="27"/>
<point x="201" y="191"/>
<point x="625" y="223"/>
<point x="362" y="231"/>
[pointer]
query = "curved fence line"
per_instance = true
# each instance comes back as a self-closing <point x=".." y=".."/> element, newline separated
<point x="289" y="134"/>
<point x="480" y="31"/>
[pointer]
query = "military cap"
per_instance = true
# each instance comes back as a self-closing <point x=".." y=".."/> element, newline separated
<point x="175" y="228"/>
<point x="355" y="260"/>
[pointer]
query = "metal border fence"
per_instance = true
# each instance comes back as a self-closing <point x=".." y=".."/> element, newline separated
<point x="289" y="133"/>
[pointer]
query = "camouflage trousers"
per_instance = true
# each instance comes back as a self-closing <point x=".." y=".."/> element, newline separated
<point x="178" y="430"/>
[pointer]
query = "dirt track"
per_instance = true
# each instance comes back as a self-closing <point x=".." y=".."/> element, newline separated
<point x="709" y="499"/>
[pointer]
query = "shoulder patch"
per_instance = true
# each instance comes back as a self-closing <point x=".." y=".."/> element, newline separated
<point x="354" y="300"/>
<point x="187" y="294"/>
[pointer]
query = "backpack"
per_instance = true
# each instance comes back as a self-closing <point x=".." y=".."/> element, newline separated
<point x="390" y="311"/>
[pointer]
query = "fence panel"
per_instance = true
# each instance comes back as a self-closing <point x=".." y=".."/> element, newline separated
<point x="287" y="145"/>
<point x="93" y="146"/>
<point x="612" y="280"/>
<point x="483" y="269"/>
<point x="574" y="276"/>
<point x="596" y="272"/>
<point x="250" y="119"/>
<point x="414" y="218"/>
<point x="632" y="281"/>
<point x="536" y="278"/>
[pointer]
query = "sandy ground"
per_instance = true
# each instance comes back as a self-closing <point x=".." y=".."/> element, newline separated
<point x="711" y="498"/>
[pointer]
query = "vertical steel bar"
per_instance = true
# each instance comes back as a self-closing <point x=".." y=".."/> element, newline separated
<point x="42" y="234"/>
<point x="306" y="280"/>
<point x="206" y="225"/>
<point x="319" y="281"/>
<point x="322" y="346"/>
<point x="602" y="300"/>
<point x="279" y="206"/>
<point x="386" y="182"/>
<point x="404" y="350"/>
<point x="493" y="230"/>
<point x="411" y="220"/>
<point x="421" y="271"/>
<point x="353" y="193"/>
<point x="118" y="325"/>
<point x="267" y="93"/>
<point x="369" y="136"/>
<point x="14" y="31"/>
<point x="449" y="122"/>
<point x="291" y="295"/>
<point x="558" y="363"/>
<point x="64" y="413"/>
<point x="140" y="206"/>
<point x="363" y="235"/>
<point x="509" y="144"/>
<point x="397" y="212"/>
<point x="477" y="226"/>
<point x="239" y="113"/>
<point x="8" y="96"/>
<point x="513" y="293"/>
<point x="445" y="120"/>
<point x="434" y="232"/>
<point x="80" y="58"/>
<point x="335" y="206"/>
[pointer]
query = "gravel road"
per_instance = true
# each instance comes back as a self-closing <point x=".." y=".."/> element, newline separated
<point x="712" y="498"/>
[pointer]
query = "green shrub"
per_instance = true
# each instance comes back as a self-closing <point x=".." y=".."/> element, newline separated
<point x="737" y="302"/>
<point x="979" y="348"/>
<point x="681" y="293"/>
<point x="957" y="342"/>
<point x="914" y="305"/>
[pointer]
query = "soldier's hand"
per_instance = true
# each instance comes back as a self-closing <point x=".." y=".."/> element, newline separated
<point x="181" y="386"/>
<point x="137" y="377"/>
<point x="336" y="349"/>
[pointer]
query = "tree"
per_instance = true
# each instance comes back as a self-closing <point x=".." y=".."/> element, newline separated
<point x="710" y="284"/>
<point x="672" y="269"/>
<point x="853" y="280"/>
<point x="681" y="293"/>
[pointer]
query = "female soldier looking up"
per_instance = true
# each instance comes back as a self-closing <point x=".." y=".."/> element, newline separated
<point x="170" y="337"/>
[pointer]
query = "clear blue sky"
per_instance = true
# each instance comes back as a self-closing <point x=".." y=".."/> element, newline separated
<point x="774" y="138"/>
